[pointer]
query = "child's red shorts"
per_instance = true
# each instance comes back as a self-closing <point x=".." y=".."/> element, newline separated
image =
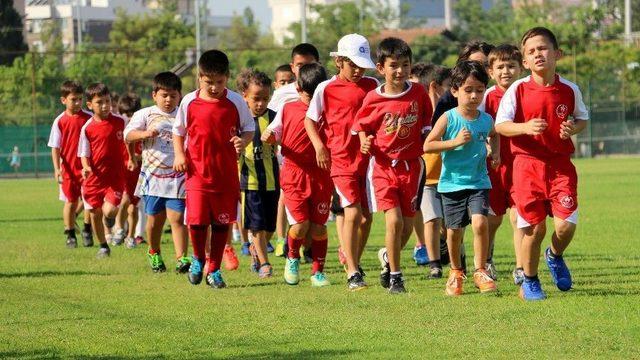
<point x="395" y="184"/>
<point x="544" y="187"/>
<point x="307" y="193"/>
<point x="206" y="208"/>
<point x="94" y="195"/>
<point x="500" y="198"/>
<point x="131" y="181"/>
<point x="70" y="189"/>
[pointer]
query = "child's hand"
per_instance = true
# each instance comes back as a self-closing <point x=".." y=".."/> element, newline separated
<point x="536" y="126"/>
<point x="179" y="163"/>
<point x="323" y="159"/>
<point x="131" y="165"/>
<point x="495" y="161"/>
<point x="567" y="129"/>
<point x="463" y="137"/>
<point x="86" y="171"/>
<point x="151" y="133"/>
<point x="268" y="137"/>
<point x="365" y="146"/>
<point x="58" y="176"/>
<point x="238" y="144"/>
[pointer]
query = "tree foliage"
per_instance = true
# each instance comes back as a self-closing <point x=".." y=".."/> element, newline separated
<point x="12" y="42"/>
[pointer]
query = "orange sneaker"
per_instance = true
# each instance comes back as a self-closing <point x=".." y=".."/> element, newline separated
<point x="229" y="258"/>
<point x="454" y="284"/>
<point x="483" y="281"/>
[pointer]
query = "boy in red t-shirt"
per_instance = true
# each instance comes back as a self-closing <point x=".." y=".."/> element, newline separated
<point x="63" y="141"/>
<point x="307" y="189"/>
<point x="334" y="106"/>
<point x="102" y="162"/>
<point x="212" y="127"/>
<point x="391" y="125"/>
<point x="505" y="66"/>
<point x="541" y="112"/>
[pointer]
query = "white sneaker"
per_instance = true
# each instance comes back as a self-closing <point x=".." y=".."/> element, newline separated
<point x="118" y="237"/>
<point x="130" y="243"/>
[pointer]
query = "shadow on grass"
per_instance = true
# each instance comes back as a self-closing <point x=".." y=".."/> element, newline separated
<point x="37" y="274"/>
<point x="606" y="291"/>
<point x="29" y="220"/>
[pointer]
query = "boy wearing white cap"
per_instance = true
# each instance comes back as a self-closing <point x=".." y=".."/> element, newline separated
<point x="329" y="120"/>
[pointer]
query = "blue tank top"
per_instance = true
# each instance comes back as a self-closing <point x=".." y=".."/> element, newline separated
<point x="465" y="167"/>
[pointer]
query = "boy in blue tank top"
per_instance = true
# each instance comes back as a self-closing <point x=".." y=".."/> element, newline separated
<point x="461" y="135"/>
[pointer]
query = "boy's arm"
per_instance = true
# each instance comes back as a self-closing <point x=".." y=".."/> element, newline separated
<point x="133" y="161"/>
<point x="240" y="142"/>
<point x="494" y="144"/>
<point x="86" y="167"/>
<point x="365" y="142"/>
<point x="54" y="143"/>
<point x="322" y="154"/>
<point x="434" y="142"/>
<point x="273" y="132"/>
<point x="55" y="158"/>
<point x="179" y="157"/>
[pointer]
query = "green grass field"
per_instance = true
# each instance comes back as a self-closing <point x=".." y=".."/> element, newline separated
<point x="60" y="303"/>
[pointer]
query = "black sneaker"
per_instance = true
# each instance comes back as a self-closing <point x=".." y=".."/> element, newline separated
<point x="103" y="253"/>
<point x="356" y="282"/>
<point x="397" y="285"/>
<point x="435" y="273"/>
<point x="385" y="273"/>
<point x="364" y="274"/>
<point x="195" y="271"/>
<point x="215" y="280"/>
<point x="72" y="243"/>
<point x="87" y="238"/>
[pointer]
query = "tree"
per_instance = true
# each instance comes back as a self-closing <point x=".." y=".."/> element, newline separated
<point x="11" y="40"/>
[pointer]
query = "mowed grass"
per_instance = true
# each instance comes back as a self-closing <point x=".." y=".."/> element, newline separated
<point x="60" y="303"/>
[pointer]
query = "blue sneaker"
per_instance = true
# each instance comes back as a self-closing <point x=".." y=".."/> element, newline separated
<point x="420" y="256"/>
<point x="532" y="291"/>
<point x="195" y="271"/>
<point x="215" y="280"/>
<point x="559" y="270"/>
<point x="245" y="249"/>
<point x="270" y="247"/>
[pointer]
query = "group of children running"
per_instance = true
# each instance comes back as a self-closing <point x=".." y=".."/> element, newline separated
<point x="432" y="148"/>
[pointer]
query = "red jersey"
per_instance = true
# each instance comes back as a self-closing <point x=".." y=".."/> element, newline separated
<point x="208" y="126"/>
<point x="337" y="102"/>
<point x="288" y="127"/>
<point x="556" y="103"/>
<point x="65" y="135"/>
<point x="398" y="122"/>
<point x="490" y="105"/>
<point x="101" y="142"/>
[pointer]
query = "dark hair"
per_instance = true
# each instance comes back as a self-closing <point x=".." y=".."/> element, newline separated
<point x="114" y="97"/>
<point x="466" y="69"/>
<point x="426" y="73"/>
<point x="305" y="49"/>
<point x="474" y="47"/>
<point x="284" y="68"/>
<point x="542" y="31"/>
<point x="505" y="52"/>
<point x="167" y="81"/>
<point x="310" y="76"/>
<point x="96" y="89"/>
<point x="213" y="62"/>
<point x="128" y="104"/>
<point x="70" y="87"/>
<point x="251" y="76"/>
<point x="392" y="47"/>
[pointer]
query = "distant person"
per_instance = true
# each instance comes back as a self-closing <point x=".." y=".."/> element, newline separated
<point x="14" y="159"/>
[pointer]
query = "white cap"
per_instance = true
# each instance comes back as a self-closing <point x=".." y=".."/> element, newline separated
<point x="356" y="48"/>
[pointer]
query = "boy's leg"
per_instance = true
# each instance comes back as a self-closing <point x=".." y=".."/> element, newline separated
<point x="530" y="249"/>
<point x="363" y="233"/>
<point x="96" y="221"/>
<point x="132" y="220"/>
<point x="319" y="247"/>
<point x="418" y="226"/>
<point x="295" y="237"/>
<point x="480" y="227"/>
<point x="155" y="224"/>
<point x="454" y="239"/>
<point x="494" y="222"/>
<point x="121" y="217"/>
<point x="259" y="239"/>
<point x="219" y="234"/>
<point x="69" y="214"/>
<point x="352" y="221"/>
<point x="393" y="237"/>
<point x="407" y="230"/>
<point x="562" y="235"/>
<point x="178" y="232"/>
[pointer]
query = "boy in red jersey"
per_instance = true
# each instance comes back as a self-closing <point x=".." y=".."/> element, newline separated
<point x="334" y="106"/>
<point x="102" y="162"/>
<point x="307" y="188"/>
<point x="212" y="127"/>
<point x="505" y="68"/>
<point x="391" y="125"/>
<point x="541" y="112"/>
<point x="63" y="141"/>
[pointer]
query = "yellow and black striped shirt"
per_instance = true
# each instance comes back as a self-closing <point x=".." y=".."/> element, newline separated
<point x="258" y="164"/>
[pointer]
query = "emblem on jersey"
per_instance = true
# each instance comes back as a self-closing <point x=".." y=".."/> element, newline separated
<point x="223" y="218"/>
<point x="562" y="111"/>
<point x="414" y="106"/>
<point x="323" y="208"/>
<point x="119" y="135"/>
<point x="567" y="201"/>
<point x="401" y="125"/>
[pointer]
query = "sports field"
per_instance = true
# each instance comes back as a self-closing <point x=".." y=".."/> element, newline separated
<point x="60" y="303"/>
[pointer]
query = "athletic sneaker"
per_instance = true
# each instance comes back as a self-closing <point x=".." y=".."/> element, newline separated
<point x="341" y="256"/>
<point x="361" y="271"/>
<point x="385" y="274"/>
<point x="396" y="285"/>
<point x="117" y="238"/>
<point x="559" y="270"/>
<point x="483" y="281"/>
<point x="245" y="249"/>
<point x="195" y="271"/>
<point x="444" y="251"/>
<point x="291" y="274"/>
<point x="454" y="284"/>
<point x="420" y="255"/>
<point x="72" y="243"/>
<point x="356" y="282"/>
<point x="140" y="240"/>
<point x="229" y="258"/>
<point x="182" y="265"/>
<point x="265" y="271"/>
<point x="255" y="261"/>
<point x="156" y="262"/>
<point x="103" y="253"/>
<point x="319" y="280"/>
<point x="491" y="270"/>
<point x="215" y="280"/>
<point x="518" y="276"/>
<point x="532" y="291"/>
<point x="279" y="248"/>
<point x="307" y="256"/>
<point x="87" y="238"/>
<point x="270" y="248"/>
<point x="130" y="243"/>
<point x="435" y="273"/>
